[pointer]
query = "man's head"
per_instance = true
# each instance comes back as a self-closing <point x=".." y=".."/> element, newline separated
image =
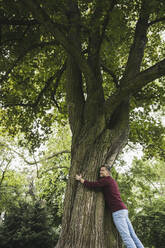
<point x="104" y="172"/>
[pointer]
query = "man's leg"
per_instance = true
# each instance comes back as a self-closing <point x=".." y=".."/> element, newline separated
<point x="133" y="234"/>
<point x="120" y="220"/>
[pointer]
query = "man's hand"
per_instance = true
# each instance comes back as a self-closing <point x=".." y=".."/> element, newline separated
<point x="79" y="178"/>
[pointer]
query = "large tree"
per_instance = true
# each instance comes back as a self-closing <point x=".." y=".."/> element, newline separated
<point x="93" y="61"/>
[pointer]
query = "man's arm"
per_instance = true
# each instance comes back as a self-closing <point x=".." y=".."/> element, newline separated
<point x="98" y="184"/>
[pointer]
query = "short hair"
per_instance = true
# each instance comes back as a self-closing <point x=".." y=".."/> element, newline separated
<point x="108" y="168"/>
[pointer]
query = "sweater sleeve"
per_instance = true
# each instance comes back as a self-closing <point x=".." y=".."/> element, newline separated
<point x="98" y="184"/>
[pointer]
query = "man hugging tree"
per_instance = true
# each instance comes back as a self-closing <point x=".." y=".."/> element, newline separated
<point x="117" y="207"/>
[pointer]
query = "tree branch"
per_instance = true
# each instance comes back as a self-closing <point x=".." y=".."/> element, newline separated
<point x="133" y="85"/>
<point x="156" y="21"/>
<point x="24" y="22"/>
<point x="70" y="46"/>
<point x="95" y="93"/>
<point x="94" y="35"/>
<point x="111" y="73"/>
<point x="15" y="63"/>
<point x="73" y="48"/>
<point x="149" y="75"/>
<point x="75" y="97"/>
<point x="36" y="161"/>
<point x="15" y="22"/>
<point x="21" y="104"/>
<point x="140" y="39"/>
<point x="98" y="26"/>
<point x="56" y="75"/>
<point x="106" y="20"/>
<point x="44" y="159"/>
<point x="151" y="182"/>
<point x="52" y="168"/>
<point x="4" y="172"/>
<point x="74" y="88"/>
<point x="58" y="78"/>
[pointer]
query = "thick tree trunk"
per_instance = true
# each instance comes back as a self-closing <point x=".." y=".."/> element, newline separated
<point x="86" y="223"/>
<point x="97" y="139"/>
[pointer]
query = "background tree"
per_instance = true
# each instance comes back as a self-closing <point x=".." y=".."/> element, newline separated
<point x="26" y="225"/>
<point x="11" y="188"/>
<point x="152" y="220"/>
<point x="52" y="175"/>
<point x="142" y="187"/>
<point x="95" y="60"/>
<point x="32" y="191"/>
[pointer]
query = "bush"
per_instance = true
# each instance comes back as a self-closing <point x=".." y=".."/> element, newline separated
<point x="150" y="226"/>
<point x="26" y="227"/>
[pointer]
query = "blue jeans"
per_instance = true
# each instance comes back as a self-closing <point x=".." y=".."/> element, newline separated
<point x="125" y="228"/>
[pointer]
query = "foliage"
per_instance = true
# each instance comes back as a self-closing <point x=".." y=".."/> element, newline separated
<point x="14" y="182"/>
<point x="150" y="224"/>
<point x="26" y="226"/>
<point x="142" y="188"/>
<point x="25" y="185"/>
<point x="142" y="184"/>
<point x="12" y="189"/>
<point x="33" y="74"/>
<point x="53" y="174"/>
<point x="147" y="130"/>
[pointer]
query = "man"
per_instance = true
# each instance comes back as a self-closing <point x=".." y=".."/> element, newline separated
<point x="117" y="207"/>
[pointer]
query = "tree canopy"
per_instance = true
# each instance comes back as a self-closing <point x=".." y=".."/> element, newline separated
<point x="36" y="38"/>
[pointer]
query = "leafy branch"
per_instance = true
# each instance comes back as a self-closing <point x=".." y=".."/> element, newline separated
<point x="106" y="20"/>
<point x="162" y="19"/>
<point x="135" y="84"/>
<point x="111" y="73"/>
<point x="139" y="43"/>
<point x="57" y="75"/>
<point x="35" y="161"/>
<point x="29" y="49"/>
<point x="15" y="22"/>
<point x="4" y="171"/>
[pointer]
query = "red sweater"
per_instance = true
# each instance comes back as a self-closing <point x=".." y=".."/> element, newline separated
<point x="111" y="192"/>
